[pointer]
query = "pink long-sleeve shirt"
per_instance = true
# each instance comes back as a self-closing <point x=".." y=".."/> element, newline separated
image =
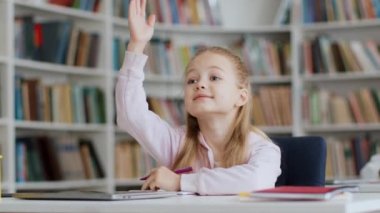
<point x="163" y="141"/>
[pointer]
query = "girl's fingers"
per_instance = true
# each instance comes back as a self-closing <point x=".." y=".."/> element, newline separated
<point x="138" y="7"/>
<point x="148" y="182"/>
<point x="143" y="7"/>
<point x="153" y="187"/>
<point x="151" y="20"/>
<point x="132" y="7"/>
<point x="145" y="185"/>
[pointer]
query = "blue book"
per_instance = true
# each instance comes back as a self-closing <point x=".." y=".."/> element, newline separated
<point x="66" y="28"/>
<point x="78" y="104"/>
<point x="376" y="5"/>
<point x="19" y="113"/>
<point x="83" y="4"/>
<point x="125" y="7"/>
<point x="56" y="35"/>
<point x="116" y="56"/>
<point x="307" y="12"/>
<point x="90" y="5"/>
<point x="174" y="11"/>
<point x="20" y="161"/>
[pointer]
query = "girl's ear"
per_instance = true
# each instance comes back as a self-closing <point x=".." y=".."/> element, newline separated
<point x="243" y="97"/>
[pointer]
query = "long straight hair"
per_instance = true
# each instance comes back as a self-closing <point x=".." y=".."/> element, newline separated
<point x="235" y="151"/>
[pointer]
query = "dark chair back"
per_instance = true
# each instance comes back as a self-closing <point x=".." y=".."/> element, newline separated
<point x="303" y="160"/>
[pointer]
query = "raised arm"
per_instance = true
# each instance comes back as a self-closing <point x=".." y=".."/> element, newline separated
<point x="153" y="134"/>
<point x="141" y="30"/>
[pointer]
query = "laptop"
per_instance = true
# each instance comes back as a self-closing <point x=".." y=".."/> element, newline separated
<point x="96" y="195"/>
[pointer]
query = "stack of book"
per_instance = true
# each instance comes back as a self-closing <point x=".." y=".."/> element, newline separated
<point x="41" y="158"/>
<point x="61" y="103"/>
<point x="58" y="42"/>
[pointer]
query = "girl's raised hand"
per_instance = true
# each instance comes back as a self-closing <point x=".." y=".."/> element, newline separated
<point x="141" y="29"/>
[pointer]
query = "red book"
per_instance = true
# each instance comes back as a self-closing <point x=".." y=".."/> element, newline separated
<point x="302" y="192"/>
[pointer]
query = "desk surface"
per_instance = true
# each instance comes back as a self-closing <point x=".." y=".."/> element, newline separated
<point x="358" y="202"/>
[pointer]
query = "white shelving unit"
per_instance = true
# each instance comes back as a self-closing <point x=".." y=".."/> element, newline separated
<point x="105" y="135"/>
<point x="101" y="134"/>
<point x="3" y="122"/>
<point x="3" y="60"/>
<point x="342" y="82"/>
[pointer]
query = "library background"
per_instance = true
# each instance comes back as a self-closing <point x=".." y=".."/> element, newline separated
<point x="315" y="67"/>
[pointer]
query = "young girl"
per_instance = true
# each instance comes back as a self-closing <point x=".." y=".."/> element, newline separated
<point x="226" y="153"/>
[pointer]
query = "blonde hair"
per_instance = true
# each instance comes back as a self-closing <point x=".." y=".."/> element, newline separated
<point x="235" y="151"/>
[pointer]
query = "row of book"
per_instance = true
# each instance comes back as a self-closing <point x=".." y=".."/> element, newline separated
<point x="86" y="5"/>
<point x="131" y="161"/>
<point x="265" y="57"/>
<point x="325" y="55"/>
<point x="164" y="58"/>
<point x="340" y="10"/>
<point x="272" y="106"/>
<point x="186" y="12"/>
<point x="167" y="59"/>
<point x="55" y="41"/>
<point x="171" y="110"/>
<point x="61" y="103"/>
<point x="347" y="156"/>
<point x="325" y="107"/>
<point x="42" y="158"/>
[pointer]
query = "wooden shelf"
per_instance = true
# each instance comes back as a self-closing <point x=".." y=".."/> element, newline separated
<point x="37" y="125"/>
<point x="337" y="77"/>
<point x="60" y="10"/>
<point x="332" y="128"/>
<point x="57" y="68"/>
<point x="60" y="185"/>
<point x="199" y="29"/>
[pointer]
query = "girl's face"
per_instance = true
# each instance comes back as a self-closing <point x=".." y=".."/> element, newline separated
<point x="211" y="86"/>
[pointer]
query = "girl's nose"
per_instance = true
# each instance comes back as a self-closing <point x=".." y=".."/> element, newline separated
<point x="200" y="86"/>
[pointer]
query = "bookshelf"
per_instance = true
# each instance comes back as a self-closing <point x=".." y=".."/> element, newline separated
<point x="105" y="136"/>
<point x="351" y="139"/>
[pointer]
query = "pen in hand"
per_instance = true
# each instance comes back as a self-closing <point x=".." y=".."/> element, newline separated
<point x="178" y="171"/>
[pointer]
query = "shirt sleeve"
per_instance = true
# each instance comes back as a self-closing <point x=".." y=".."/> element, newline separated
<point x="260" y="172"/>
<point x="133" y="115"/>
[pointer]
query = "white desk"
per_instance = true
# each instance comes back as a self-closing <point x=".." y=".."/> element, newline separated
<point x="360" y="202"/>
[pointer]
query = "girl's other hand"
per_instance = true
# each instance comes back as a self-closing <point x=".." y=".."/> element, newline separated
<point x="141" y="29"/>
<point x="162" y="178"/>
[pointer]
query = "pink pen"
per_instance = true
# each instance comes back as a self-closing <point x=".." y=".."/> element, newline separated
<point x="178" y="171"/>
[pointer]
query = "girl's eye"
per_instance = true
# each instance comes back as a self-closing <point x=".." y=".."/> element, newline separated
<point x="191" y="81"/>
<point x="215" y="78"/>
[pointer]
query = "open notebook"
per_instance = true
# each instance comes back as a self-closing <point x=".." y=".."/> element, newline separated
<point x="96" y="195"/>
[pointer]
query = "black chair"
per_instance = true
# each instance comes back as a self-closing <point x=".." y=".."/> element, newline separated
<point x="303" y="161"/>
